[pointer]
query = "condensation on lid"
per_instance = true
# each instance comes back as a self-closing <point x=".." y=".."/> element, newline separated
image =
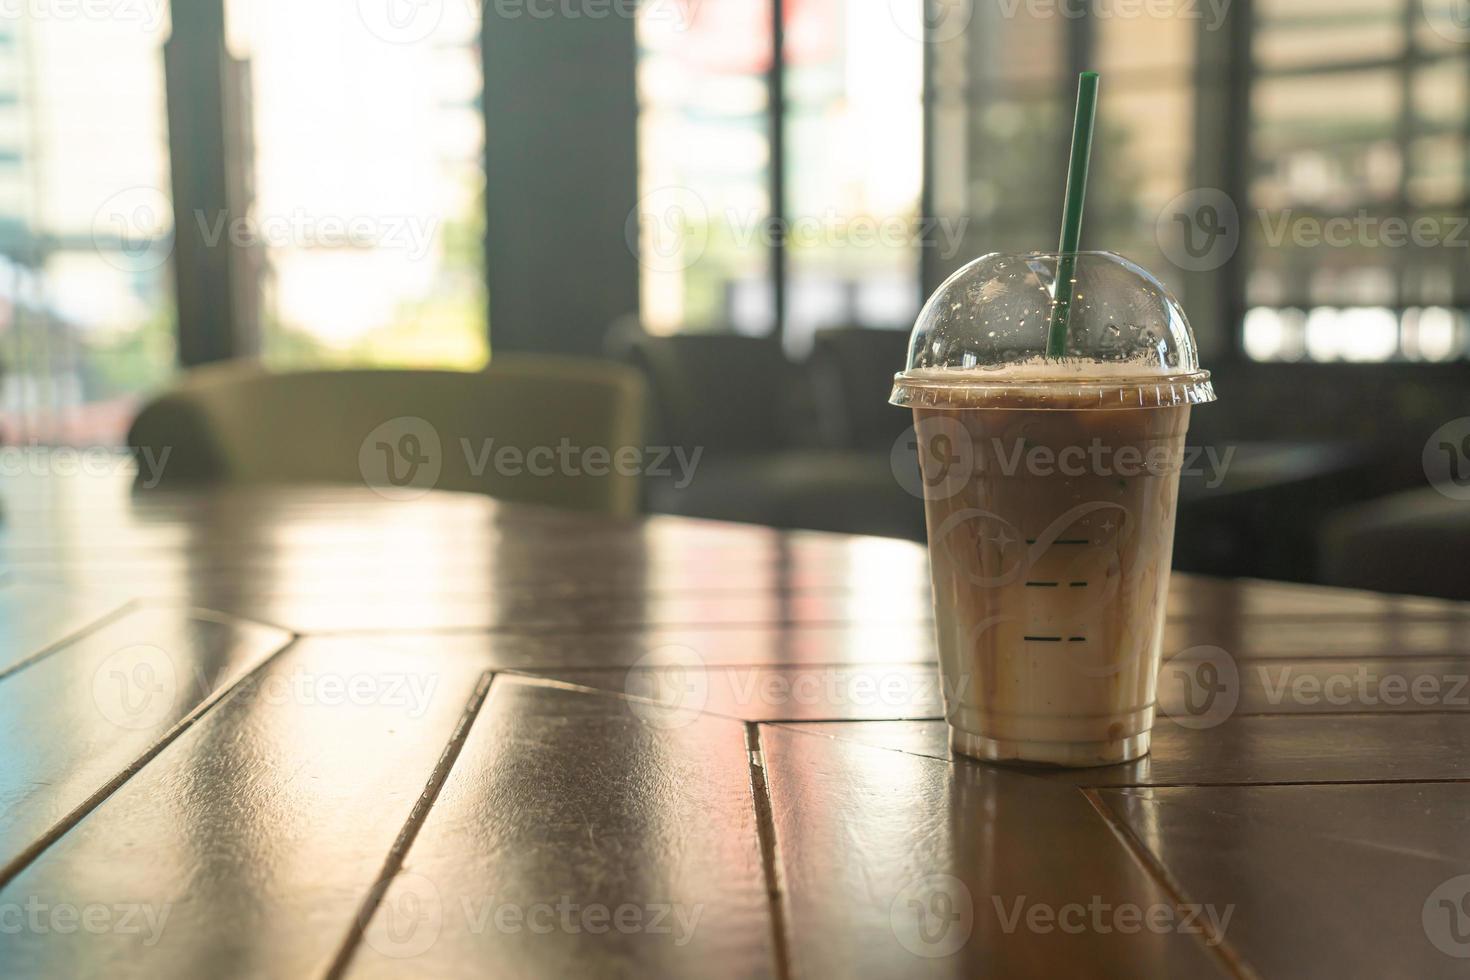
<point x="996" y="335"/>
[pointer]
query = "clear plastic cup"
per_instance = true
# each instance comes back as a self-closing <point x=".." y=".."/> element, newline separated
<point x="1050" y="489"/>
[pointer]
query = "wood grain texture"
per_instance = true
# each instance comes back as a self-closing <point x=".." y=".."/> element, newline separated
<point x="898" y="865"/>
<point x="376" y="610"/>
<point x="724" y="646"/>
<point x="246" y="846"/>
<point x="34" y="619"/>
<point x="1293" y="862"/>
<point x="576" y="836"/>
<point x="1265" y="749"/>
<point x="780" y="693"/>
<point x="509" y="738"/>
<point x="74" y="721"/>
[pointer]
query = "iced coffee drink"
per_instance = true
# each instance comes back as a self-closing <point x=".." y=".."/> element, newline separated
<point x="1050" y="487"/>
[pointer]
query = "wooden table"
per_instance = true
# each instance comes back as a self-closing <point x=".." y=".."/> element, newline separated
<point x="319" y="732"/>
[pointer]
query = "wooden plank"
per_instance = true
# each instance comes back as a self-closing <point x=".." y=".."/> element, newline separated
<point x="898" y="865"/>
<point x="1259" y="749"/>
<point x="352" y="522"/>
<point x="80" y="718"/>
<point x="784" y="693"/>
<point x="1326" y="639"/>
<point x="374" y="612"/>
<point x="1311" y="686"/>
<point x="247" y="845"/>
<point x="35" y="619"/>
<point x="1257" y="599"/>
<point x="725" y="646"/>
<point x="268" y="830"/>
<point x="1327" y="881"/>
<point x="921" y="737"/>
<point x="341" y="552"/>
<point x="574" y="838"/>
<point x="315" y="576"/>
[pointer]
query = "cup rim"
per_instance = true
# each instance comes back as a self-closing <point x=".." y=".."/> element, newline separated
<point x="966" y="390"/>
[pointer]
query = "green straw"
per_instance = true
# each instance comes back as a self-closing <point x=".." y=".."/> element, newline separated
<point x="1061" y="314"/>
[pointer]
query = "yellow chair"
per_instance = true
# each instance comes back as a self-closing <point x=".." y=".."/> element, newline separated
<point x="537" y="429"/>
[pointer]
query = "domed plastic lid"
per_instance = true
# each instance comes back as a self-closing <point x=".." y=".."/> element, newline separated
<point x="981" y="340"/>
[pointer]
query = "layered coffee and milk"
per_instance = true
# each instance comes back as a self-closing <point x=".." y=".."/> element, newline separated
<point x="1049" y="484"/>
<point x="1050" y="558"/>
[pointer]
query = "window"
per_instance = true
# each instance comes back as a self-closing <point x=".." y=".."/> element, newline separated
<point x="853" y="134"/>
<point x="86" y="306"/>
<point x="1347" y="178"/>
<point x="704" y="166"/>
<point x="1355" y="233"/>
<point x="1003" y="98"/>
<point x="997" y="160"/>
<point x="1143" y="148"/>
<point x="840" y="227"/>
<point x="368" y="182"/>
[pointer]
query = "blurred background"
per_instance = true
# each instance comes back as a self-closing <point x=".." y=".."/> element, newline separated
<point x="748" y="200"/>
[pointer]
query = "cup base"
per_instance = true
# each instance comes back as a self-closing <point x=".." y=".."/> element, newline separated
<point x="1068" y="755"/>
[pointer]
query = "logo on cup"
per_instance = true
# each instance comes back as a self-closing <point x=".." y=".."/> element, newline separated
<point x="408" y="920"/>
<point x="1450" y="19"/>
<point x="132" y="229"/>
<point x="1199" y="230"/>
<point x="136" y="687"/>
<point x="991" y="551"/>
<point x="669" y="686"/>
<point x="1446" y="459"/>
<point x="668" y="230"/>
<point x="945" y="454"/>
<point x="401" y="459"/>
<point x="932" y="21"/>
<point x="986" y="547"/>
<point x="400" y="21"/>
<point x="1202" y="684"/>
<point x="933" y="916"/>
